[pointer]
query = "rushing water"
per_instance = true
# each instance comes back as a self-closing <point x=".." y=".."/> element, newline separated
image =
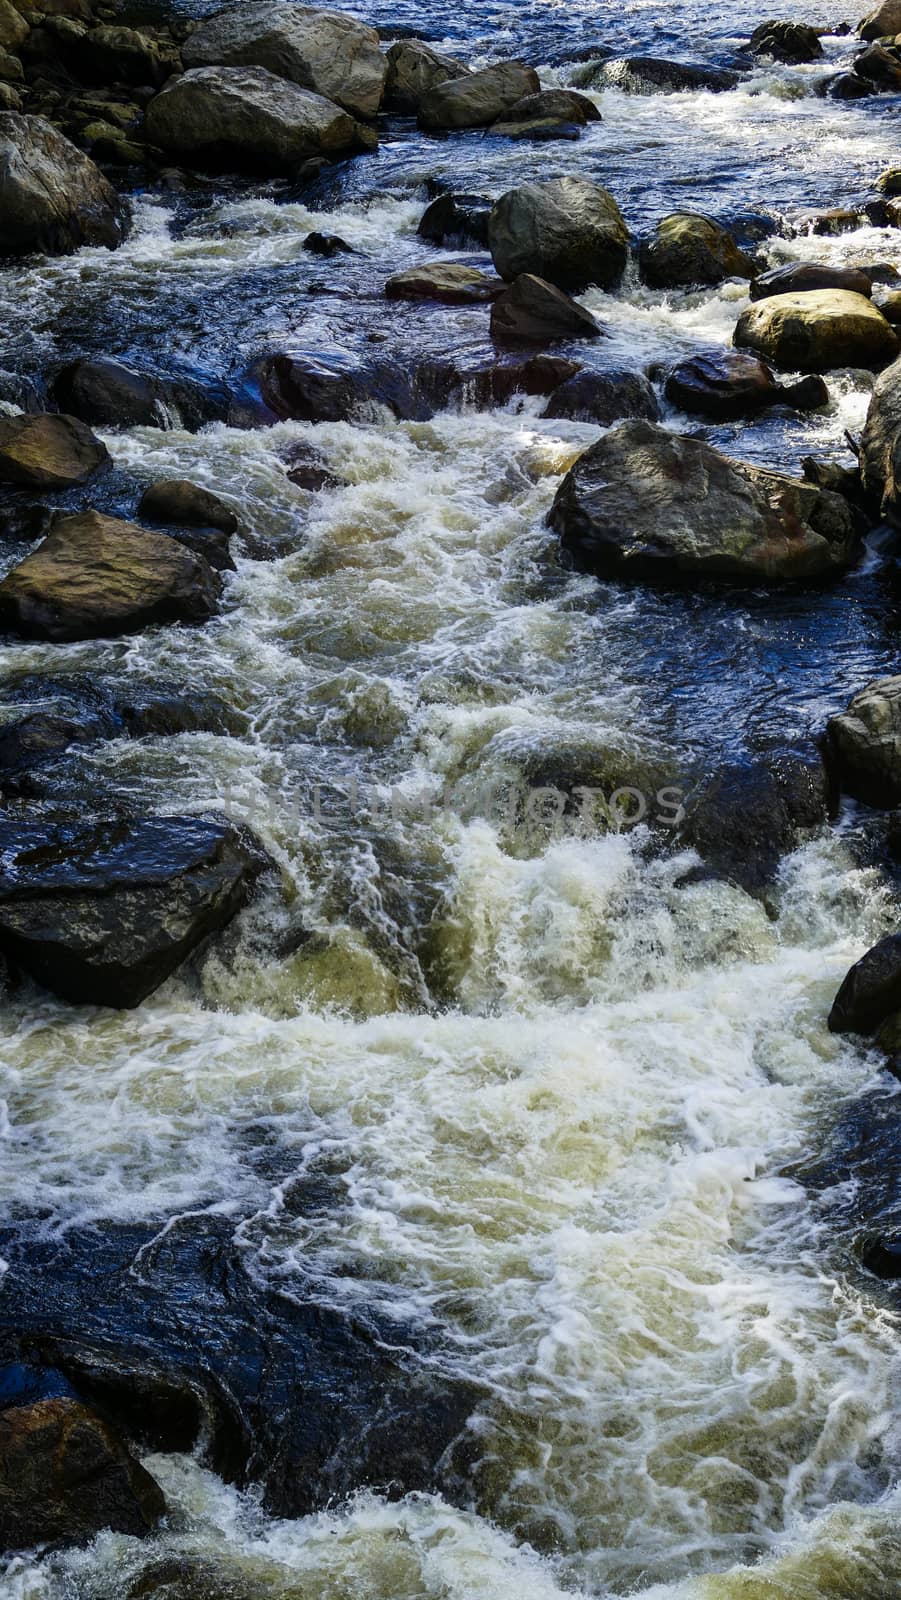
<point x="567" y="1096"/>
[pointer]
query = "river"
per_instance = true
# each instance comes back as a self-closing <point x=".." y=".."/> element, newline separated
<point x="565" y="1099"/>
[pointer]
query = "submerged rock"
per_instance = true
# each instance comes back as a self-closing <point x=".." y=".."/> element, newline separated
<point x="43" y="451"/>
<point x="96" y="577"/>
<point x="448" y="282"/>
<point x="603" y="398"/>
<point x="245" y="117"/>
<point x="52" y="197"/>
<point x="103" y="912"/>
<point x="727" y="386"/>
<point x="803" y="277"/>
<point x="871" y="992"/>
<point x="865" y="744"/>
<point x="65" y="1475"/>
<point x="645" y="504"/>
<point x="326" y="51"/>
<point x="414" y="71"/>
<point x="457" y="219"/>
<point x="479" y="98"/>
<point x="746" y="816"/>
<point x="790" y="42"/>
<point x="569" y="231"/>
<point x="818" y="332"/>
<point x="532" y="311"/>
<point x="651" y="75"/>
<point x="685" y="250"/>
<point x="880" y="446"/>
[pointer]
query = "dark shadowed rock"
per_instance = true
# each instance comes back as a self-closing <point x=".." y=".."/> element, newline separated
<point x="65" y="1475"/>
<point x="569" y="231"/>
<point x="176" y="500"/>
<point x="872" y="990"/>
<point x="559" y="105"/>
<point x="307" y="468"/>
<point x="880" y="446"/>
<point x="747" y="815"/>
<point x="479" y="98"/>
<point x="108" y="394"/>
<point x="847" y="86"/>
<point x="102" y="912"/>
<point x="327" y="245"/>
<point x="414" y="70"/>
<point x="881" y="66"/>
<point x="246" y="118"/>
<point x="447" y="282"/>
<point x="817" y="332"/>
<point x="791" y="42"/>
<point x="52" y="197"/>
<point x="727" y="386"/>
<point x="865" y="744"/>
<point x="802" y="277"/>
<point x="533" y="311"/>
<point x="685" y="250"/>
<point x="645" y="504"/>
<point x="337" y="387"/>
<point x="604" y="398"/>
<point x="651" y="75"/>
<point x="43" y="451"/>
<point x="457" y="219"/>
<point x="325" y="51"/>
<point x="97" y="577"/>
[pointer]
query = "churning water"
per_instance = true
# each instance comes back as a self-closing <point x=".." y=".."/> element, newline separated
<point x="564" y="1090"/>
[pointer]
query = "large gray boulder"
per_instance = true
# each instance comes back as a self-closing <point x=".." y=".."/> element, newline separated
<point x="414" y="70"/>
<point x="686" y="249"/>
<point x="817" y="332"/>
<point x="880" y="445"/>
<point x="865" y="742"/>
<point x="52" y="197"/>
<point x="240" y="117"/>
<point x="326" y="51"/>
<point x="646" y="504"/>
<point x="480" y="98"/>
<point x="569" y="231"/>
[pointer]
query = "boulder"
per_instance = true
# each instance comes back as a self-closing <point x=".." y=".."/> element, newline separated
<point x="791" y="42"/>
<point x="646" y="504"/>
<point x="245" y="117"/>
<point x="727" y="386"/>
<point x="186" y="504"/>
<point x="559" y="105"/>
<point x="533" y="311"/>
<point x="95" y="577"/>
<point x="325" y="51"/>
<point x="65" y="1475"/>
<point x="539" y="130"/>
<point x="112" y="54"/>
<point x="880" y="446"/>
<point x="109" y="394"/>
<point x="747" y="815"/>
<point x="885" y="20"/>
<point x="52" y="197"/>
<point x="865" y="744"/>
<point x="479" y="98"/>
<point x="818" y="332"/>
<point x="889" y="182"/>
<point x="327" y="245"/>
<point x="102" y="912"/>
<point x="847" y="86"/>
<point x="650" y="75"/>
<point x="603" y="398"/>
<point x="569" y="231"/>
<point x="448" y="282"/>
<point x="804" y="277"/>
<point x="14" y="29"/>
<point x="414" y="70"/>
<point x="457" y="219"/>
<point x="871" y="992"/>
<point x="685" y="250"/>
<point x="881" y="66"/>
<point x="43" y="451"/>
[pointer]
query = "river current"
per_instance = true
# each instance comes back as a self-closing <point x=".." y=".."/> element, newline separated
<point x="566" y="1097"/>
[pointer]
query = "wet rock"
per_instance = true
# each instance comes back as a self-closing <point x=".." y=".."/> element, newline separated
<point x="457" y="219"/>
<point x="747" y="815"/>
<point x="310" y="1402"/>
<point x="604" y="398"/>
<point x="96" y="577"/>
<point x="650" y="75"/>
<point x="865" y="744"/>
<point x="163" y="710"/>
<point x="558" y="105"/>
<point x="883" y="1258"/>
<point x="540" y="130"/>
<point x="871" y="992"/>
<point x="336" y="388"/>
<point x="324" y="51"/>
<point x="818" y="332"/>
<point x="414" y="71"/>
<point x="245" y="117"/>
<point x="685" y="250"/>
<point x="496" y="384"/>
<point x="327" y="245"/>
<point x="14" y="29"/>
<point x="791" y="42"/>
<point x="880" y="446"/>
<point x="802" y="277"/>
<point x="108" y="394"/>
<point x="645" y="504"/>
<point x="177" y="500"/>
<point x="884" y="20"/>
<point x="727" y="386"/>
<point x="533" y="311"/>
<point x="103" y="912"/>
<point x="880" y="65"/>
<point x="65" y="1475"/>
<point x="889" y="182"/>
<point x="847" y="86"/>
<point x="448" y="282"/>
<point x="480" y="98"/>
<point x="308" y="469"/>
<point x="52" y="197"/>
<point x="568" y="231"/>
<point x="42" y="451"/>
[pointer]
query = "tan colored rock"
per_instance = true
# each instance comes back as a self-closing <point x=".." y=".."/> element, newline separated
<point x="866" y="743"/>
<point x="414" y="70"/>
<point x="48" y="451"/>
<point x="447" y="281"/>
<point x="883" y="21"/>
<point x="14" y="30"/>
<point x="817" y="332"/>
<point x="686" y="249"/>
<point x="246" y="117"/>
<point x="480" y="98"/>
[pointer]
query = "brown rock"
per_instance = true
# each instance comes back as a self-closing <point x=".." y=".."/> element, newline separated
<point x="533" y="311"/>
<point x="186" y="504"/>
<point x="448" y="282"/>
<point x="49" y="452"/>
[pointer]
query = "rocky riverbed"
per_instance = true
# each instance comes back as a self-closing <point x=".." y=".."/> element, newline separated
<point x="450" y="780"/>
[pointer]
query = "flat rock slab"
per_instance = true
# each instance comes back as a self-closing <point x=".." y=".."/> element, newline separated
<point x="49" y="452"/>
<point x="448" y="282"/>
<point x="646" y="504"/>
<point x="95" y="577"/>
<point x="818" y="332"/>
<point x="102" y="913"/>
